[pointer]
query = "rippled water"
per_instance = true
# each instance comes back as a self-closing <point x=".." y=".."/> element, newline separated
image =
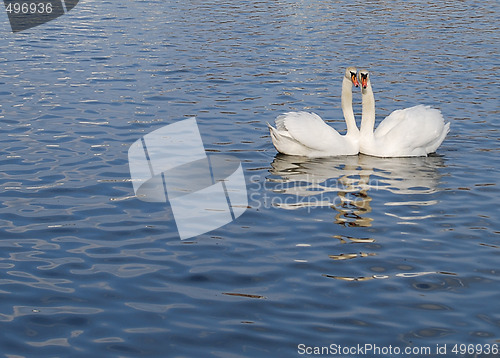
<point x="349" y="250"/>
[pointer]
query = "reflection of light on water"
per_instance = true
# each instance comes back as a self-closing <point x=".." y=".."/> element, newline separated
<point x="352" y="211"/>
<point x="331" y="182"/>
<point x="379" y="277"/>
<point x="351" y="256"/>
<point x="416" y="217"/>
<point x="348" y="239"/>
<point x="417" y="203"/>
<point x="344" y="185"/>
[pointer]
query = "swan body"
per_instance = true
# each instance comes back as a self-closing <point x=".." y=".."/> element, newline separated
<point x="306" y="134"/>
<point x="411" y="132"/>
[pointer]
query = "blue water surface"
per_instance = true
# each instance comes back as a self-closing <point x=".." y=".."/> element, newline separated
<point x="340" y="251"/>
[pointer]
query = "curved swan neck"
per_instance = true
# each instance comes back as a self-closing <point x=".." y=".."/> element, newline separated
<point x="368" y="114"/>
<point x="346" y="103"/>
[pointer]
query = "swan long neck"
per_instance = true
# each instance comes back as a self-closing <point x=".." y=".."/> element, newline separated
<point x="346" y="103"/>
<point x="368" y="114"/>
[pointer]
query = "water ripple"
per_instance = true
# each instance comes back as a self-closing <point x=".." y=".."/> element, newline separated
<point x="390" y="251"/>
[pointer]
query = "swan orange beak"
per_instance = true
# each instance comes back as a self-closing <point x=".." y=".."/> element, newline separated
<point x="364" y="82"/>
<point x="354" y="80"/>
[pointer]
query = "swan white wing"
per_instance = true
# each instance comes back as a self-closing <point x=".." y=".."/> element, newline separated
<point x="391" y="121"/>
<point x="284" y="143"/>
<point x="417" y="130"/>
<point x="310" y="130"/>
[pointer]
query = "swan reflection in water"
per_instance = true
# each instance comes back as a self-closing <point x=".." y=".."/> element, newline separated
<point x="343" y="183"/>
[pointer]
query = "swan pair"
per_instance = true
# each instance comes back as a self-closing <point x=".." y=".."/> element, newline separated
<point x="410" y="132"/>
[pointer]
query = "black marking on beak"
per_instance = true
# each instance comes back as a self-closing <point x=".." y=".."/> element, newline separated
<point x="364" y="79"/>
<point x="354" y="79"/>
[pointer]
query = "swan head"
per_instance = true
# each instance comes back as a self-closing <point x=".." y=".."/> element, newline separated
<point x="351" y="73"/>
<point x="364" y="78"/>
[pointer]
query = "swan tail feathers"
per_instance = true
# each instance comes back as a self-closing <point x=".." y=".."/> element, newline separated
<point x="447" y="127"/>
<point x="433" y="146"/>
<point x="283" y="142"/>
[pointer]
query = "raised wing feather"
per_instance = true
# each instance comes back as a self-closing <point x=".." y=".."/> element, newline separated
<point x="309" y="130"/>
<point x="420" y="128"/>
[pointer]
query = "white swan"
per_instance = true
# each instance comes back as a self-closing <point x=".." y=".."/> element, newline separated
<point x="411" y="132"/>
<point x="306" y="134"/>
